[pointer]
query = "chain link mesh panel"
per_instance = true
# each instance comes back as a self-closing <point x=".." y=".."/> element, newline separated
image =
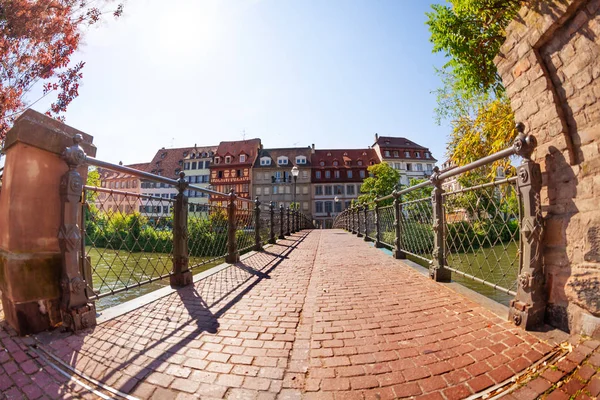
<point x="244" y="228"/>
<point x="417" y="228"/>
<point x="370" y="224"/>
<point x="128" y="239"/>
<point x="386" y="224"/>
<point x="482" y="233"/>
<point x="207" y="235"/>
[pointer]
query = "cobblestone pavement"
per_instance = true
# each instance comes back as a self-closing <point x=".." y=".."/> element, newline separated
<point x="319" y="315"/>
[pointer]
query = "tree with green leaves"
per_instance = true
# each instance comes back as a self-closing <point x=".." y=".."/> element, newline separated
<point x="472" y="96"/>
<point x="382" y="181"/>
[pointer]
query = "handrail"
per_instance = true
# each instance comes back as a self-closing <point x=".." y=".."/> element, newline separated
<point x="522" y="146"/>
<point x="156" y="178"/>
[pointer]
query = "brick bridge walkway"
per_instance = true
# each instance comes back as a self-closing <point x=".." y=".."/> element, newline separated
<point x="319" y="315"/>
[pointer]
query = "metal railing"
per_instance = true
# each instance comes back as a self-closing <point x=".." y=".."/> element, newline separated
<point x="115" y="240"/>
<point x="486" y="232"/>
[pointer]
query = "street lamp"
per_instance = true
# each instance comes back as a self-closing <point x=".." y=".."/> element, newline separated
<point x="295" y="172"/>
<point x="336" y="200"/>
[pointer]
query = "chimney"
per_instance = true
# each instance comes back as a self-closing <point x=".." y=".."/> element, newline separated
<point x="313" y="148"/>
<point x="120" y="162"/>
<point x="376" y="137"/>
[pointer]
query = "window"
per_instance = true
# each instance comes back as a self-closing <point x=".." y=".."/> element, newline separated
<point x="328" y="206"/>
<point x="407" y="154"/>
<point x="322" y="163"/>
<point x="348" y="163"/>
<point x="217" y="160"/>
<point x="397" y="165"/>
<point x="305" y="206"/>
<point x="239" y="173"/>
<point x="350" y="189"/>
<point x="206" y="164"/>
<point x="359" y="162"/>
<point x="266" y="190"/>
<point x="362" y="173"/>
<point x="265" y="161"/>
<point x="386" y="153"/>
<point x="418" y="154"/>
<point x="277" y="176"/>
<point x="242" y="158"/>
<point x="282" y="160"/>
<point x="328" y="190"/>
<point x="186" y="165"/>
<point x="408" y="166"/>
<point x="349" y="173"/>
<point x="429" y="167"/>
<point x="338" y="189"/>
<point x="396" y="153"/>
<point x="336" y="174"/>
<point x="258" y="191"/>
<point x="335" y="163"/>
<point x="301" y="160"/>
<point x="419" y="167"/>
<point x="427" y="155"/>
<point x="318" y="190"/>
<point x="347" y="204"/>
<point x="275" y="191"/>
<point x="327" y="174"/>
<point x="305" y="174"/>
<point x="317" y="174"/>
<point x="338" y="206"/>
<point x="318" y="206"/>
<point x="305" y="189"/>
<point x="220" y="174"/>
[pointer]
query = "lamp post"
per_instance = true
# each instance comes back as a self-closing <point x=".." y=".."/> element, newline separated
<point x="295" y="172"/>
<point x="336" y="201"/>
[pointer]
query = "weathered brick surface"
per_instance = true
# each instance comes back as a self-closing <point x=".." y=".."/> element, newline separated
<point x="550" y="65"/>
<point x="331" y="318"/>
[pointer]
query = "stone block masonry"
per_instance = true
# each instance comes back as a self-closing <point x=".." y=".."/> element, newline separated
<point x="550" y="64"/>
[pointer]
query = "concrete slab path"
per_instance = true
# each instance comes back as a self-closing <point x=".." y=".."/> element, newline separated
<point x="321" y="314"/>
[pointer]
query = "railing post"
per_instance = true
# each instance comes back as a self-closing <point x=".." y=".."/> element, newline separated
<point x="281" y="222"/>
<point x="181" y="276"/>
<point x="353" y="218"/>
<point x="257" y="243"/>
<point x="287" y="229"/>
<point x="528" y="307"/>
<point x="378" y="243"/>
<point x="233" y="255"/>
<point x="438" y="270"/>
<point x="293" y="221"/>
<point x="398" y="253"/>
<point x="358" y="233"/>
<point x="366" y="212"/>
<point x="77" y="311"/>
<point x="298" y="227"/>
<point x="272" y="223"/>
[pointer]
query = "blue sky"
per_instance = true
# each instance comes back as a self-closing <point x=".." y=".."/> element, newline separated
<point x="293" y="73"/>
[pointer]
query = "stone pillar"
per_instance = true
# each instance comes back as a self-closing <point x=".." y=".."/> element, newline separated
<point x="550" y="66"/>
<point x="30" y="220"/>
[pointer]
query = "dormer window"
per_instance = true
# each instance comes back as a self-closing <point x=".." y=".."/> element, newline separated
<point x="300" y="160"/>
<point x="163" y="155"/>
<point x="227" y="159"/>
<point x="427" y="155"/>
<point x="185" y="153"/>
<point x="359" y="162"/>
<point x="217" y="160"/>
<point x="407" y="154"/>
<point x="322" y="163"/>
<point x="396" y="154"/>
<point x="265" y="161"/>
<point x="364" y="153"/>
<point x="418" y="155"/>
<point x="242" y="158"/>
<point x="386" y="153"/>
<point x="346" y="154"/>
<point x="335" y="163"/>
<point x="348" y="163"/>
<point x="283" y="160"/>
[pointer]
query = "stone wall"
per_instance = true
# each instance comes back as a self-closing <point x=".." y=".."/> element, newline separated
<point x="550" y="64"/>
